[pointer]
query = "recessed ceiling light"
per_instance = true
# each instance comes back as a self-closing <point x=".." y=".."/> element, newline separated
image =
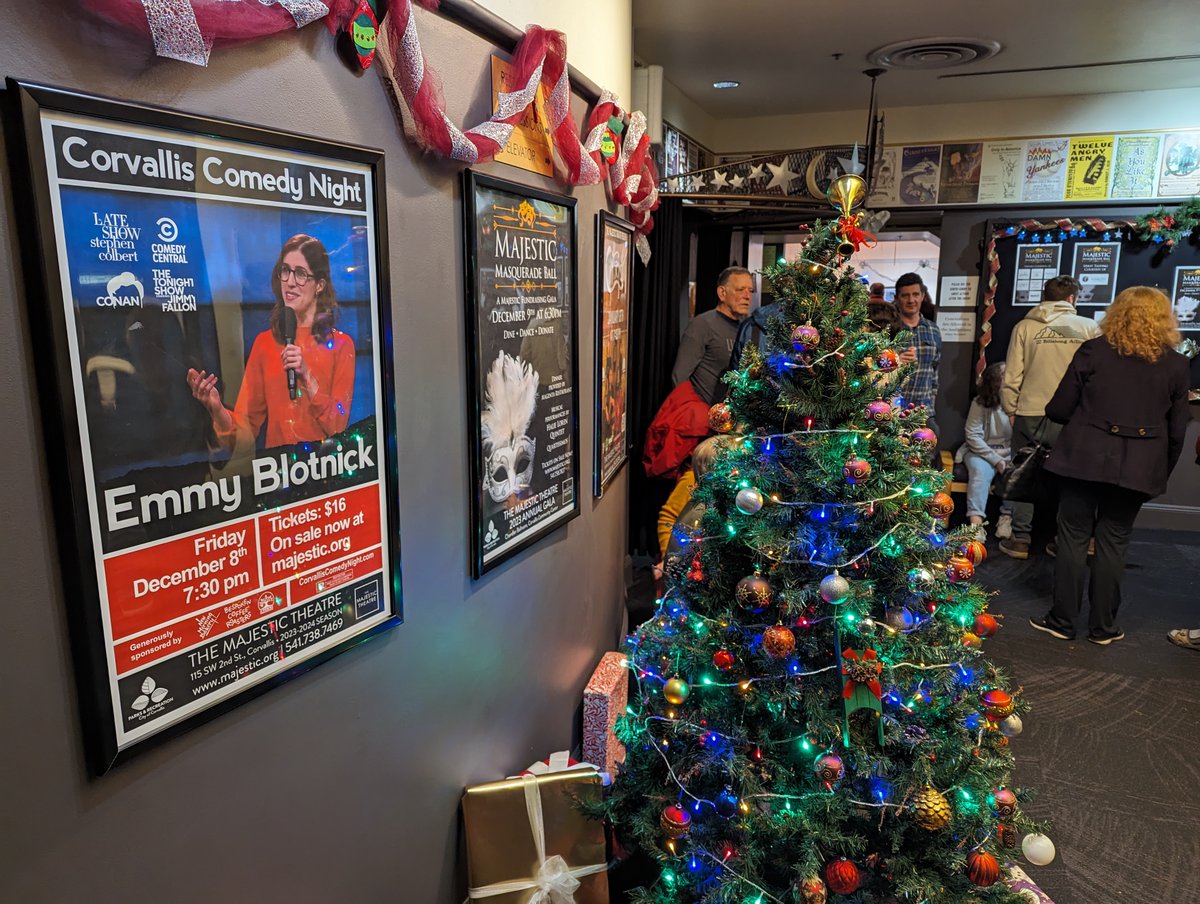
<point x="726" y="84"/>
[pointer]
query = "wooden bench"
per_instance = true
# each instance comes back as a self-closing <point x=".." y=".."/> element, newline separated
<point x="955" y="486"/>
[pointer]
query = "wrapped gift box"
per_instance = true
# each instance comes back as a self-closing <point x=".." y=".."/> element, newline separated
<point x="1019" y="881"/>
<point x="604" y="701"/>
<point x="527" y="833"/>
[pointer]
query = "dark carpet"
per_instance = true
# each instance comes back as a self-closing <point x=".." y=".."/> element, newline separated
<point x="1112" y="744"/>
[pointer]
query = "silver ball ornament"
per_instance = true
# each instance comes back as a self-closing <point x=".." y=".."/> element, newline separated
<point x="749" y="500"/>
<point x="834" y="588"/>
<point x="921" y="580"/>
<point x="1011" y="726"/>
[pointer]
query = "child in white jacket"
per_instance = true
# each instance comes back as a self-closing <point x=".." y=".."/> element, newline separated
<point x="987" y="450"/>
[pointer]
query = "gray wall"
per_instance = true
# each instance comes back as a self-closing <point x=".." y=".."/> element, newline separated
<point x="343" y="784"/>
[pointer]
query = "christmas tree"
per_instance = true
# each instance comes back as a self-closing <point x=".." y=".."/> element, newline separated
<point x="814" y="718"/>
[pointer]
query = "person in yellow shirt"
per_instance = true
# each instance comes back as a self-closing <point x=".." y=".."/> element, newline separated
<point x="679" y="507"/>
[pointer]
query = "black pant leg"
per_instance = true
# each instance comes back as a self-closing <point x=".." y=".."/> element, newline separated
<point x="1076" y="517"/>
<point x="1116" y="512"/>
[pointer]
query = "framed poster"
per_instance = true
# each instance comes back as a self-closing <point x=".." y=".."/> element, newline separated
<point x="1095" y="266"/>
<point x="1185" y="297"/>
<point x="522" y="389"/>
<point x="1035" y="264"/>
<point x="614" y="282"/>
<point x="217" y="393"/>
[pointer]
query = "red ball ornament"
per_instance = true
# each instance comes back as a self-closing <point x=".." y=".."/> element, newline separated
<point x="778" y="642"/>
<point x="986" y="625"/>
<point x="997" y="704"/>
<point x="975" y="551"/>
<point x="843" y="877"/>
<point x="982" y="868"/>
<point x="940" y="505"/>
<point x="959" y="569"/>
<point x="805" y="337"/>
<point x="856" y="469"/>
<point x="887" y="360"/>
<point x="720" y="418"/>
<point x="1004" y="802"/>
<point x="675" y="821"/>
<point x="723" y="660"/>
<point x="829" y="768"/>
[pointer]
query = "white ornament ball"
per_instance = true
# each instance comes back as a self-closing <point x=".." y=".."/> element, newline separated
<point x="749" y="501"/>
<point x="834" y="588"/>
<point x="1038" y="849"/>
<point x="1011" y="727"/>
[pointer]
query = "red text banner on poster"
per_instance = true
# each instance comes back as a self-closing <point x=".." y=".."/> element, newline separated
<point x="324" y="579"/>
<point x="140" y="651"/>
<point x="168" y="580"/>
<point x="299" y="538"/>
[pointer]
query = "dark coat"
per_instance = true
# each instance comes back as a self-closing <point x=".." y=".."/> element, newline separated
<point x="1125" y="418"/>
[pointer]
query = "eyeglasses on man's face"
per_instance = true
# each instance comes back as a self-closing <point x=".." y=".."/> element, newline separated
<point x="301" y="275"/>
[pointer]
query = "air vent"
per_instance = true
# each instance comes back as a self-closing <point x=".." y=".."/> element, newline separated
<point x="933" y="53"/>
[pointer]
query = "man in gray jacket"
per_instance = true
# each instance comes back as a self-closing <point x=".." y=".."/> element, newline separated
<point x="1039" y="352"/>
<point x="707" y="343"/>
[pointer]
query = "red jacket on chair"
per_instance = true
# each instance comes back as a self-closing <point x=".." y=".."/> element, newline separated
<point x="679" y="425"/>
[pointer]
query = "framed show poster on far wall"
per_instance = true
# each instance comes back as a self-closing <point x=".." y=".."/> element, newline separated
<point x="217" y="393"/>
<point x="614" y="282"/>
<point x="522" y="395"/>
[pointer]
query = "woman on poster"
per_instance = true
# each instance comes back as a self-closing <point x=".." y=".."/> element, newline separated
<point x="316" y="403"/>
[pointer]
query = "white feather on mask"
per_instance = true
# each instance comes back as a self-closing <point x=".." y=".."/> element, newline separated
<point x="510" y="399"/>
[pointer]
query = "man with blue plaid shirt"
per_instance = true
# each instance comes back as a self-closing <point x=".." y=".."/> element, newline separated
<point x="920" y="386"/>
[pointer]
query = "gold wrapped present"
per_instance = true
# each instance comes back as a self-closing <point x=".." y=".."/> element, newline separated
<point x="528" y="842"/>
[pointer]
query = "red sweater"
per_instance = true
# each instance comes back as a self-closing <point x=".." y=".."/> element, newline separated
<point x="264" y="392"/>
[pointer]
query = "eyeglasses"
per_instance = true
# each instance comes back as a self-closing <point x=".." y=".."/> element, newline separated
<point x="301" y="275"/>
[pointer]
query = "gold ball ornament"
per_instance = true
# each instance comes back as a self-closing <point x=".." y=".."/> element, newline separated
<point x="940" y="505"/>
<point x="813" y="890"/>
<point x="930" y="809"/>
<point x="720" y="418"/>
<point x="974" y="641"/>
<point x="778" y="642"/>
<point x="676" y="691"/>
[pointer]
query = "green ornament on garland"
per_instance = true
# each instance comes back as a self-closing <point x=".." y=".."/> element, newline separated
<point x="356" y="43"/>
<point x="610" y="141"/>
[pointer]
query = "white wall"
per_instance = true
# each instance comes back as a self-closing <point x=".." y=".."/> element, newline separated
<point x="686" y="115"/>
<point x="599" y="35"/>
<point x="1132" y="111"/>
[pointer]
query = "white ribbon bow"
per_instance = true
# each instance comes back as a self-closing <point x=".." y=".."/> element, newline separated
<point x="555" y="882"/>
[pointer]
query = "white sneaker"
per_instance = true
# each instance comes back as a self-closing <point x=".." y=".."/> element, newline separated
<point x="1004" y="527"/>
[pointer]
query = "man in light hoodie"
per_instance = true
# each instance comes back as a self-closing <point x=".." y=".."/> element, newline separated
<point x="1039" y="352"/>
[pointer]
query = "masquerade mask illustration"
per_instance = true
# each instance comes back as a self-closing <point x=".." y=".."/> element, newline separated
<point x="509" y="402"/>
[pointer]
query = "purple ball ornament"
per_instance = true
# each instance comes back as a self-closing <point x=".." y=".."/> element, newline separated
<point x="856" y="470"/>
<point x="924" y="438"/>
<point x="879" y="411"/>
<point x="805" y="337"/>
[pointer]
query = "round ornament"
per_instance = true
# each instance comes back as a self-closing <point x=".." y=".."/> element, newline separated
<point x="930" y="809"/>
<point x="753" y="593"/>
<point x="887" y="360"/>
<point x="916" y="461"/>
<point x="879" y="411"/>
<point x="720" y="418"/>
<point x="778" y="642"/>
<point x="975" y="551"/>
<point x="856" y="469"/>
<point x="834" y="588"/>
<point x="843" y="877"/>
<point x="959" y="569"/>
<point x="1011" y="726"/>
<point x="924" y="438"/>
<point x="997" y="704"/>
<point x="812" y="890"/>
<point x="901" y="618"/>
<point x="985" y="625"/>
<point x="749" y="500"/>
<point x="805" y="337"/>
<point x="974" y="641"/>
<point x="921" y="580"/>
<point x="829" y="768"/>
<point x="940" y="505"/>
<point x="1038" y="849"/>
<point x="726" y="803"/>
<point x="723" y="660"/>
<point x="982" y="868"/>
<point x="1004" y="802"/>
<point x="675" y="821"/>
<point x="676" y="691"/>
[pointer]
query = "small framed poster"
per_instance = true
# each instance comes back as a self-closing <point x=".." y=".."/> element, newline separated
<point x="1095" y="266"/>
<point x="1185" y="297"/>
<point x="217" y="394"/>
<point x="614" y="281"/>
<point x="1035" y="265"/>
<point x="522" y="397"/>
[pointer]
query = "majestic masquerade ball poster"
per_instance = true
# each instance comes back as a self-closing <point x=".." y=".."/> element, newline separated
<point x="614" y="283"/>
<point x="218" y="398"/>
<point x="522" y="399"/>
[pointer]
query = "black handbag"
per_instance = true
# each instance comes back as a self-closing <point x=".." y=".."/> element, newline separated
<point x="1026" y="479"/>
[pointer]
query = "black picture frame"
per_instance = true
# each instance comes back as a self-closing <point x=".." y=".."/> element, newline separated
<point x="520" y="339"/>
<point x="85" y="165"/>
<point x="614" y="254"/>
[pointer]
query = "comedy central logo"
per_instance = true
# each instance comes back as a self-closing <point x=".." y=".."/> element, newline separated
<point x="123" y="291"/>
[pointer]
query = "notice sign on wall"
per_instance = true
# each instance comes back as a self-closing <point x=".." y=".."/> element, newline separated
<point x="1095" y="267"/>
<point x="1035" y="265"/>
<point x="213" y="298"/>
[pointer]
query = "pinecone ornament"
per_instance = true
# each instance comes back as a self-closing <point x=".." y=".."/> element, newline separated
<point x="930" y="809"/>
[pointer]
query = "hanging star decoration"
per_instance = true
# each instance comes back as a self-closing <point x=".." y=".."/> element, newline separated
<point x="851" y="165"/>
<point x="757" y="171"/>
<point x="720" y="179"/>
<point x="737" y="181"/>
<point x="673" y="183"/>
<point x="781" y="176"/>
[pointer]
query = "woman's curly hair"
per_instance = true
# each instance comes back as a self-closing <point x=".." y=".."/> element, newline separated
<point x="1140" y="323"/>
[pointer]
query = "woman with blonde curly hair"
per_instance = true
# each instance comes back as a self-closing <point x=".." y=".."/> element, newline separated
<point x="1124" y="402"/>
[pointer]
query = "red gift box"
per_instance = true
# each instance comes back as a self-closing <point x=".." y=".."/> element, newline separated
<point x="604" y="701"/>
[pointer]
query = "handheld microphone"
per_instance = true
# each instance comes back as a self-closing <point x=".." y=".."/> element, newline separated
<point x="289" y="338"/>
